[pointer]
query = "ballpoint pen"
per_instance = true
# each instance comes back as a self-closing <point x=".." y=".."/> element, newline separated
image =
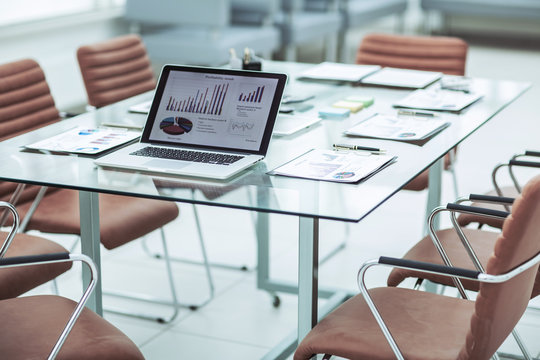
<point x="415" y="113"/>
<point x="357" y="147"/>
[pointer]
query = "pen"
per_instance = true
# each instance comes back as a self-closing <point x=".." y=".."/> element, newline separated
<point x="415" y="113"/>
<point x="357" y="147"/>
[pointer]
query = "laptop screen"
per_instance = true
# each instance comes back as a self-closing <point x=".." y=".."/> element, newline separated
<point x="214" y="108"/>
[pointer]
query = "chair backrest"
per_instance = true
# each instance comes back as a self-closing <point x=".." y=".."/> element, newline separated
<point x="500" y="306"/>
<point x="115" y="69"/>
<point x="430" y="53"/>
<point x="26" y="104"/>
<point x="212" y="13"/>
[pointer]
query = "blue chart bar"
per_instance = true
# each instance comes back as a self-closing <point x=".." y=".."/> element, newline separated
<point x="208" y="101"/>
<point x="254" y="96"/>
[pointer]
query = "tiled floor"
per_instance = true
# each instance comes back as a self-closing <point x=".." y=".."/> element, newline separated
<point x="241" y="322"/>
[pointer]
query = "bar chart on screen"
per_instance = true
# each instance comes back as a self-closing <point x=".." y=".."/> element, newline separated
<point x="208" y="100"/>
<point x="251" y="95"/>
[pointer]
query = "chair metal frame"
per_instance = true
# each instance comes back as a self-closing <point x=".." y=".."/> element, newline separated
<point x="49" y="259"/>
<point x="174" y="303"/>
<point x="454" y="208"/>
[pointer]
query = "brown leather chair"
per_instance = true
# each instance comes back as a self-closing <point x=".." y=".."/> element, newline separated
<point x="45" y="326"/>
<point x="430" y="53"/>
<point x="115" y="70"/>
<point x="24" y="95"/>
<point x="506" y="191"/>
<point x="420" y="325"/>
<point x="18" y="280"/>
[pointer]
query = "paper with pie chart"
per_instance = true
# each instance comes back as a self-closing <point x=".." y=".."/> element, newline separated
<point x="332" y="165"/>
<point x="396" y="127"/>
<point x="83" y="140"/>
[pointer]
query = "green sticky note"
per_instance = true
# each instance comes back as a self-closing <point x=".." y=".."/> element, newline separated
<point x="365" y="100"/>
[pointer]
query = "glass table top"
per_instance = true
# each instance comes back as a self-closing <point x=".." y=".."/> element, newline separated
<point x="254" y="189"/>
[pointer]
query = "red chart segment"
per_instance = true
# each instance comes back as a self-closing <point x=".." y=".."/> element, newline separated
<point x="176" y="125"/>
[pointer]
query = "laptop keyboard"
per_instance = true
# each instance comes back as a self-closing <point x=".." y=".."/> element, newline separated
<point x="187" y="155"/>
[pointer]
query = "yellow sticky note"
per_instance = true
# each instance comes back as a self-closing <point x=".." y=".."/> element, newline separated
<point x="353" y="106"/>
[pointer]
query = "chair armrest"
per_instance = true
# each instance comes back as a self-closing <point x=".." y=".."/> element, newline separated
<point x="429" y="267"/>
<point x="8" y="208"/>
<point x="523" y="163"/>
<point x="477" y="210"/>
<point x="491" y="199"/>
<point x="532" y="153"/>
<point x="55" y="258"/>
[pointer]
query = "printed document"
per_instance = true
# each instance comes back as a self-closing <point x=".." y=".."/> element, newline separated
<point x="335" y="165"/>
<point x="398" y="127"/>
<point x="337" y="71"/>
<point x="438" y="99"/>
<point x="81" y="140"/>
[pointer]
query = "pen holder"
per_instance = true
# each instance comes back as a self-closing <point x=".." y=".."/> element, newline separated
<point x="253" y="64"/>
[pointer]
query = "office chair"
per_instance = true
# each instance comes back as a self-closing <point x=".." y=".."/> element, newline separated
<point x="115" y="70"/>
<point x="17" y="281"/>
<point x="460" y="247"/>
<point x="389" y="323"/>
<point x="506" y="191"/>
<point x="430" y="53"/>
<point x="46" y="326"/>
<point x="122" y="219"/>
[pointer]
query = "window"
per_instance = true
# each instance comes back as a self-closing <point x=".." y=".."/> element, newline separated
<point x="22" y="11"/>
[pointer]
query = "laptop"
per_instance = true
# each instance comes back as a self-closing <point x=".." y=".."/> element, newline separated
<point x="205" y="122"/>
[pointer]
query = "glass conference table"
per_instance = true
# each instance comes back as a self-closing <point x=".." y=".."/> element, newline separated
<point x="254" y="189"/>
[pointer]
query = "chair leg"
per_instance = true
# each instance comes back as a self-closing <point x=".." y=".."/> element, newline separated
<point x="174" y="302"/>
<point x="521" y="345"/>
<point x="205" y="262"/>
<point x="452" y="170"/>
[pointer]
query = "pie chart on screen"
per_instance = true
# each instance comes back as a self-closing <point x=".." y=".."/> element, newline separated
<point x="176" y="125"/>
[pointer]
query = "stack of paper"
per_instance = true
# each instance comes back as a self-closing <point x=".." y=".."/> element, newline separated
<point x="413" y="79"/>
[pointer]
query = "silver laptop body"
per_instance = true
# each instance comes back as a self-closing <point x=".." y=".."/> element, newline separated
<point x="227" y="115"/>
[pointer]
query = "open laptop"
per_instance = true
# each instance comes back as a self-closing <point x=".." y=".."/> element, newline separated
<point x="205" y="122"/>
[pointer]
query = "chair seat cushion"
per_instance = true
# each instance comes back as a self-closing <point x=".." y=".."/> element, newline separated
<point x="33" y="324"/>
<point x="425" y="326"/>
<point x="481" y="241"/>
<point x="122" y="218"/>
<point x="15" y="281"/>
<point x="466" y="219"/>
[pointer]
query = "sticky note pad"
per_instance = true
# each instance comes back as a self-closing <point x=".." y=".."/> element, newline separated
<point x="351" y="105"/>
<point x="365" y="100"/>
<point x="331" y="112"/>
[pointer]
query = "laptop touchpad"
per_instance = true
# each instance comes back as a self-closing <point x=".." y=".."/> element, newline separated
<point x="166" y="164"/>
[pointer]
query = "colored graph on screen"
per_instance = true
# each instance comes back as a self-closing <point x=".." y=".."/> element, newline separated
<point x="253" y="95"/>
<point x="176" y="125"/>
<point x="207" y="101"/>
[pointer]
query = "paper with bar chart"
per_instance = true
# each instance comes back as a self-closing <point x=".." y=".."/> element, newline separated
<point x="214" y="109"/>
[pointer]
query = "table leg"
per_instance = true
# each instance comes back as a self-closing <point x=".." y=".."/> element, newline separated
<point x="89" y="218"/>
<point x="434" y="191"/>
<point x="308" y="278"/>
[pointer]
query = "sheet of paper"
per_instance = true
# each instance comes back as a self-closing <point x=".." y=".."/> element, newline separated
<point x="414" y="79"/>
<point x="338" y="71"/>
<point x="332" y="165"/>
<point x="395" y="127"/>
<point x="83" y="140"/>
<point x="438" y="99"/>
<point x="141" y="108"/>
<point x="289" y="124"/>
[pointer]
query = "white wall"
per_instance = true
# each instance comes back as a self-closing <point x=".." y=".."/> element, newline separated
<point x="53" y="45"/>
